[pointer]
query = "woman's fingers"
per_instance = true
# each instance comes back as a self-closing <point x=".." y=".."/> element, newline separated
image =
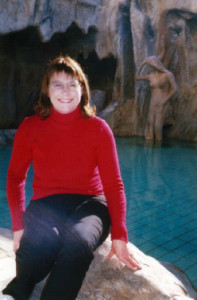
<point x="135" y="260"/>
<point x="15" y="247"/>
<point x="111" y="253"/>
<point x="119" y="248"/>
<point x="130" y="263"/>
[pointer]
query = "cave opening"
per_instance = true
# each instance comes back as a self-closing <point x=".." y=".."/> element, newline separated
<point x="101" y="73"/>
<point x="23" y="58"/>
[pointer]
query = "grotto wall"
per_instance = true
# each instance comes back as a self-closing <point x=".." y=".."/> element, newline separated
<point x="110" y="38"/>
<point x="167" y="29"/>
<point x="32" y="33"/>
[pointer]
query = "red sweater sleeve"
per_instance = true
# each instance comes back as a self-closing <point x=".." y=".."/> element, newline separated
<point x="112" y="182"/>
<point x="17" y="173"/>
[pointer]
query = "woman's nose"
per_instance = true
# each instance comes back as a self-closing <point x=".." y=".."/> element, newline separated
<point x="66" y="88"/>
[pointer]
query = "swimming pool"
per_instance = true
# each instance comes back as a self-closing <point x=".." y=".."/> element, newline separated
<point x="161" y="190"/>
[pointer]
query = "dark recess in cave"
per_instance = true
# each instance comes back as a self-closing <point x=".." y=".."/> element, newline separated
<point x="23" y="57"/>
<point x="100" y="73"/>
<point x="150" y="36"/>
<point x="127" y="56"/>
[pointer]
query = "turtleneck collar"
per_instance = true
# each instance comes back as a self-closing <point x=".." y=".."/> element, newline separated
<point x="66" y="119"/>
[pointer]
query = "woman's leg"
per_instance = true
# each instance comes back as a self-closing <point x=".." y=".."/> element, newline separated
<point x="87" y="227"/>
<point x="149" y="130"/>
<point x="37" y="253"/>
<point x="159" y="120"/>
<point x="61" y="232"/>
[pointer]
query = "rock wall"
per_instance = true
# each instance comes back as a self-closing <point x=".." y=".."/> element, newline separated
<point x="168" y="29"/>
<point x="32" y="33"/>
<point x="110" y="38"/>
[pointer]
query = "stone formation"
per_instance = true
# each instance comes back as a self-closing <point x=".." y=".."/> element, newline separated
<point x="111" y="39"/>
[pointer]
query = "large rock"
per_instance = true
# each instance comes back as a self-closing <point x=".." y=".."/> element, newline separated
<point x="110" y="279"/>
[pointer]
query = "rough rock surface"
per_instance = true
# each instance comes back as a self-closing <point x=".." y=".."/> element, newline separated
<point x="110" y="39"/>
<point x="168" y="29"/>
<point x="109" y="279"/>
<point x="97" y="99"/>
<point x="48" y="15"/>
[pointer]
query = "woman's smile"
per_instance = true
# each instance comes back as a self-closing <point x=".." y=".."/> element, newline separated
<point x="64" y="92"/>
<point x="65" y="101"/>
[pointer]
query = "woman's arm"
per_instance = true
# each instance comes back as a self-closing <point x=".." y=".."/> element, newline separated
<point x="17" y="239"/>
<point x="145" y="77"/>
<point x="172" y="83"/>
<point x="114" y="191"/>
<point x="119" y="248"/>
<point x="153" y="61"/>
<point x="173" y="86"/>
<point x="17" y="173"/>
<point x="107" y="161"/>
<point x="141" y="67"/>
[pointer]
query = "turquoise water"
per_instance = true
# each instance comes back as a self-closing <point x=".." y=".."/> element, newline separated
<point x="5" y="154"/>
<point x="161" y="190"/>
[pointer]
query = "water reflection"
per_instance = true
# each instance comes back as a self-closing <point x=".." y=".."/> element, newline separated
<point x="158" y="172"/>
<point x="156" y="175"/>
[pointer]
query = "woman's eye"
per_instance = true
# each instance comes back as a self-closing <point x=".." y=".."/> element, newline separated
<point x="73" y="85"/>
<point x="57" y="85"/>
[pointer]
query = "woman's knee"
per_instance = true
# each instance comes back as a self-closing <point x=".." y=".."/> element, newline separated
<point x="92" y="223"/>
<point x="75" y="253"/>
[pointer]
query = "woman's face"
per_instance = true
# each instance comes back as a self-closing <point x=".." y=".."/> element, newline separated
<point x="64" y="92"/>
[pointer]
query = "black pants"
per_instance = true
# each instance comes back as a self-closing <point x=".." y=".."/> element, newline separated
<point x="60" y="234"/>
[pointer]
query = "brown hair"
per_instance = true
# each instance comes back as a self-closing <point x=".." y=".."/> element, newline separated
<point x="71" y="67"/>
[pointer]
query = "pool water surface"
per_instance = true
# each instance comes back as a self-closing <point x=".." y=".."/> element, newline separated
<point x="161" y="190"/>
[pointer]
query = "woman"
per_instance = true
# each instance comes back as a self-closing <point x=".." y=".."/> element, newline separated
<point x="163" y="87"/>
<point x="75" y="167"/>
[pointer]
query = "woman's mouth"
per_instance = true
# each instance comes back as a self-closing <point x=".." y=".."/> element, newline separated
<point x="65" y="101"/>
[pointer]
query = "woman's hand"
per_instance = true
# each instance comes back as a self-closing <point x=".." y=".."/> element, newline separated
<point x="17" y="238"/>
<point x="119" y="248"/>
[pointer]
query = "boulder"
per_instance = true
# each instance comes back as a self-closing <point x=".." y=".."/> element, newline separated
<point x="110" y="279"/>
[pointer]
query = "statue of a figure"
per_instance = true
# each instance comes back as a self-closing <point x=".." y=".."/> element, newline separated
<point x="163" y="87"/>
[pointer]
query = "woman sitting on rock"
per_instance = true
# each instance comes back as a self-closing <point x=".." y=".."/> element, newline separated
<point x="78" y="194"/>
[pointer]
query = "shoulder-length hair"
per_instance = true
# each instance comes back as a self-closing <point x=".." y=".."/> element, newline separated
<point x="71" y="67"/>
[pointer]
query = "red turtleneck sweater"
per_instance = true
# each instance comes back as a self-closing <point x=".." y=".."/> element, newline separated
<point x="70" y="154"/>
